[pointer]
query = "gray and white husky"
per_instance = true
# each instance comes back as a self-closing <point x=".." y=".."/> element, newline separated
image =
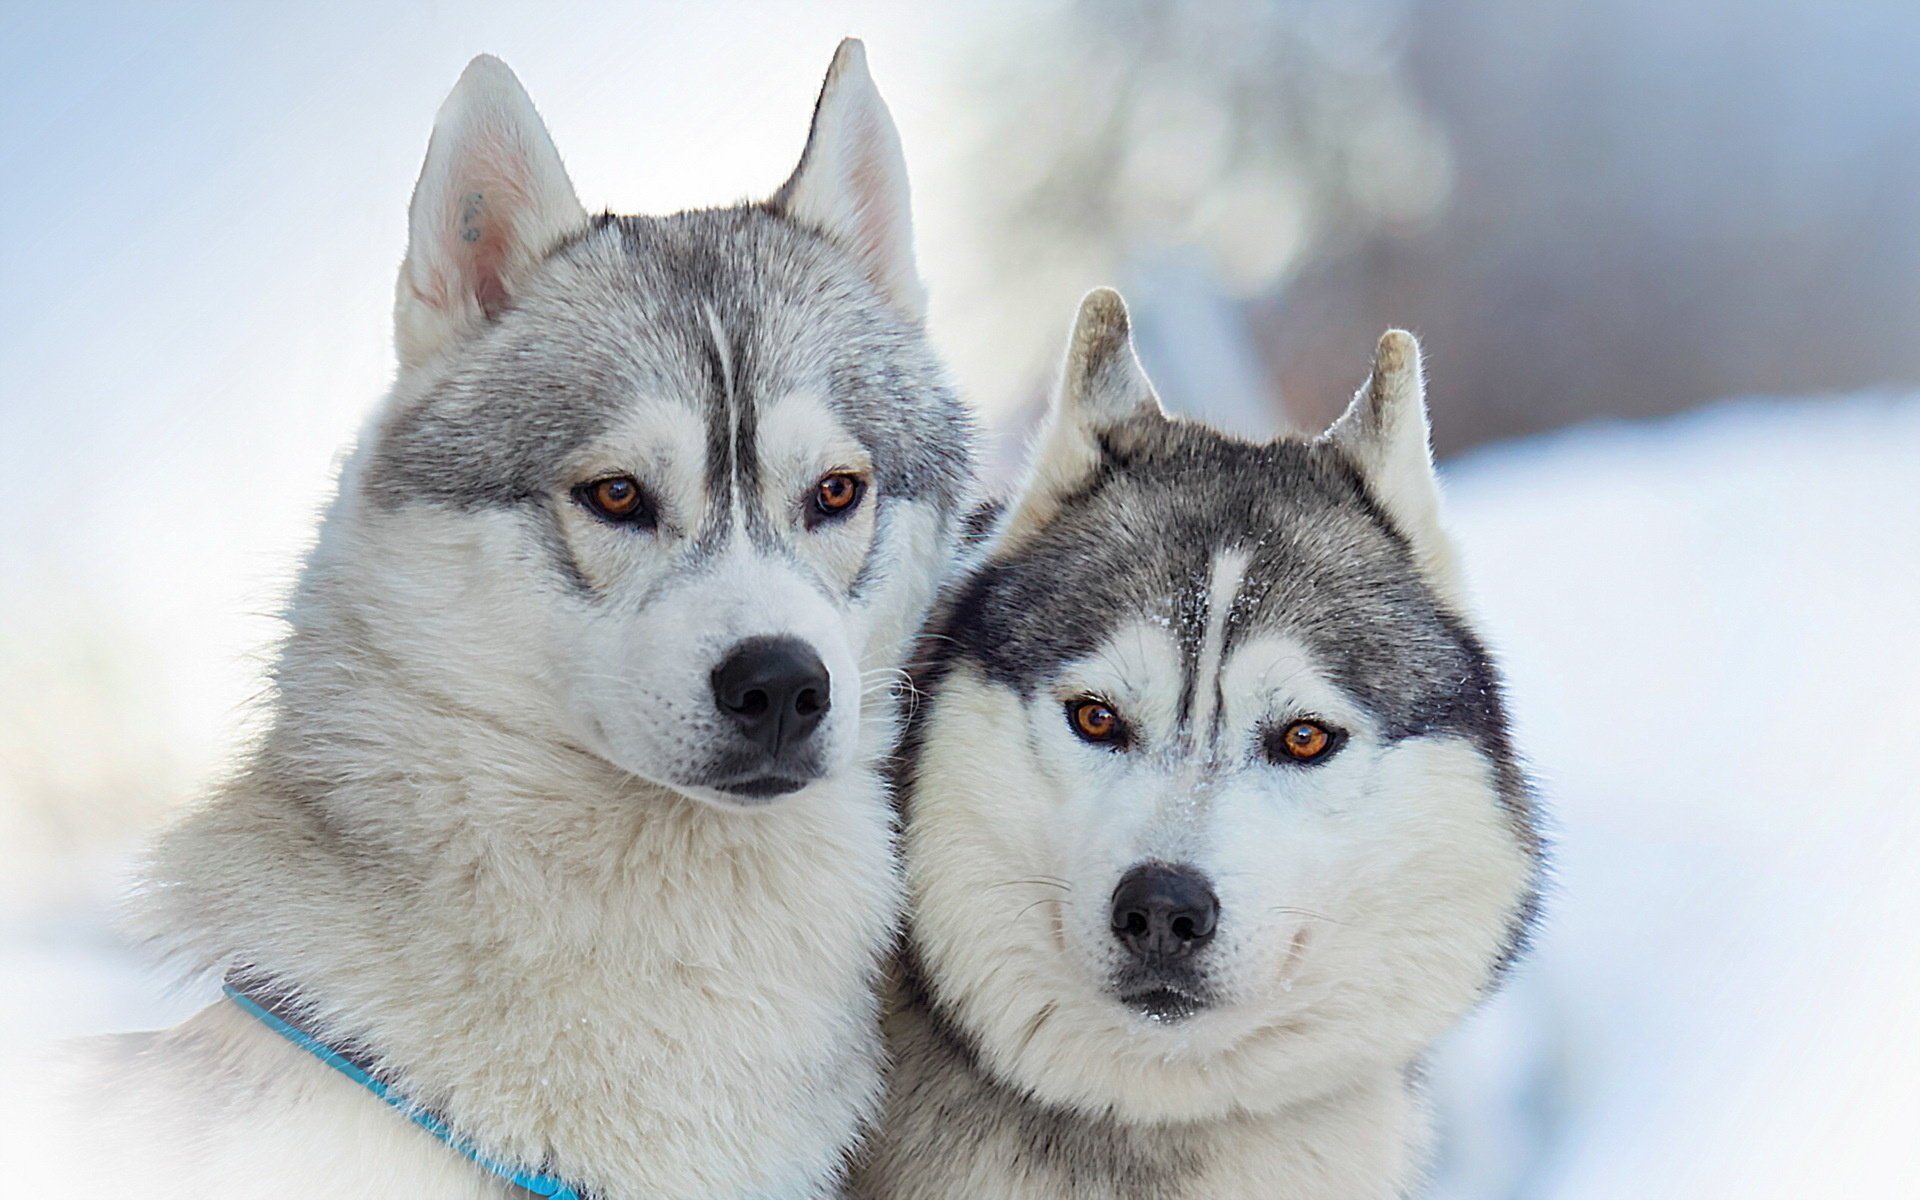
<point x="569" y="826"/>
<point x="1212" y="823"/>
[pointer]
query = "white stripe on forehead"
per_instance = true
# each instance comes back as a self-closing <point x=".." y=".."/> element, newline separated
<point x="1229" y="570"/>
<point x="725" y="354"/>
<point x="721" y="349"/>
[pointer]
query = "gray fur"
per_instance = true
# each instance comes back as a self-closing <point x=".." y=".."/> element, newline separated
<point x="622" y="310"/>
<point x="1019" y="1071"/>
<point x="722" y="311"/>
<point x="944" y="1106"/>
<point x="1168" y="497"/>
<point x="497" y="830"/>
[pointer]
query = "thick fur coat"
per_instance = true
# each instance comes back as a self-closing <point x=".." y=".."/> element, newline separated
<point x="499" y="833"/>
<point x="1212" y="818"/>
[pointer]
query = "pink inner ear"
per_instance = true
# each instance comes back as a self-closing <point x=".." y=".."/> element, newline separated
<point x="487" y="266"/>
<point x="480" y="223"/>
<point x="867" y="180"/>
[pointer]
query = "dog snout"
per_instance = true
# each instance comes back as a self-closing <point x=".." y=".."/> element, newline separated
<point x="774" y="690"/>
<point x="1162" y="912"/>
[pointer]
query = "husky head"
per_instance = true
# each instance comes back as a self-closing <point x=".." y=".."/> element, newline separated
<point x="1212" y="802"/>
<point x="674" y="491"/>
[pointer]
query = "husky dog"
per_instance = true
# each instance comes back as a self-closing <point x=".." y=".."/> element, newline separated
<point x="1212" y="823"/>
<point x="569" y="828"/>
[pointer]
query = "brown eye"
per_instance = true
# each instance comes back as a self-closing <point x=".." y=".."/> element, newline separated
<point x="617" y="498"/>
<point x="837" y="494"/>
<point x="1095" y="721"/>
<point x="1303" y="742"/>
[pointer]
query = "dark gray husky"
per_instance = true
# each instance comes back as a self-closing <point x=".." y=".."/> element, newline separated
<point x="1212" y="821"/>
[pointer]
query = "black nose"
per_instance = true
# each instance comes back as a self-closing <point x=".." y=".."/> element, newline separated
<point x="1163" y="912"/>
<point x="775" y="690"/>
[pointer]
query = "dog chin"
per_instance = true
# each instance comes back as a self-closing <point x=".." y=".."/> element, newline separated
<point x="750" y="792"/>
<point x="731" y="795"/>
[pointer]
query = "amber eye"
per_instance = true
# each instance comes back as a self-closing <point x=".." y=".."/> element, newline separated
<point x="617" y="498"/>
<point x="837" y="494"/>
<point x="1303" y="742"/>
<point x="1094" y="720"/>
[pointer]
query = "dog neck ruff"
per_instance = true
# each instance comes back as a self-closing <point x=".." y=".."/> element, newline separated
<point x="278" y="1012"/>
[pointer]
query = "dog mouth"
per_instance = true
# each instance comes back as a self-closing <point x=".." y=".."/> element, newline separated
<point x="1165" y="1003"/>
<point x="760" y="789"/>
<point x="751" y="781"/>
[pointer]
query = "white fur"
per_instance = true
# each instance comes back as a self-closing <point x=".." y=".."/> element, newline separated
<point x="466" y="839"/>
<point x="1223" y="588"/>
<point x="1424" y="874"/>
<point x="1102" y="386"/>
<point x="1352" y="933"/>
<point x="1384" y="429"/>
<point x="1362" y="900"/>
<point x="698" y="991"/>
<point x="492" y="198"/>
<point x="852" y="184"/>
<point x="801" y="440"/>
<point x="646" y="651"/>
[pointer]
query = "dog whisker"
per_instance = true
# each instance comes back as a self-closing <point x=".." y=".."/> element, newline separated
<point x="1037" y="903"/>
<point x="1291" y="911"/>
<point x="1033" y="1027"/>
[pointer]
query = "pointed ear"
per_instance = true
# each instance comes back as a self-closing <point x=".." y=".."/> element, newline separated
<point x="1102" y="388"/>
<point x="1384" y="434"/>
<point x="851" y="183"/>
<point x="492" y="199"/>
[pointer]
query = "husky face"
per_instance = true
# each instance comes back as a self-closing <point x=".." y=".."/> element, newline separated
<point x="1214" y="799"/>
<point x="684" y="481"/>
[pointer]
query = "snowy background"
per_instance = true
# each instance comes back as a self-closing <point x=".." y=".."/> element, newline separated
<point x="1604" y="219"/>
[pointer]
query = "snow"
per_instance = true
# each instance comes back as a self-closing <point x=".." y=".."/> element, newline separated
<point x="1707" y="624"/>
<point x="1707" y="628"/>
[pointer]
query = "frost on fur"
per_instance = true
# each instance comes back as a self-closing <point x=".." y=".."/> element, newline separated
<point x="851" y="183"/>
<point x="492" y="199"/>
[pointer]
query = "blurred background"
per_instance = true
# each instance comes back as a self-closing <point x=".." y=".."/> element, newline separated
<point x="1664" y="256"/>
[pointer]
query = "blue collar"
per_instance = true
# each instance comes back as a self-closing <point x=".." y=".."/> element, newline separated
<point x="277" y="1010"/>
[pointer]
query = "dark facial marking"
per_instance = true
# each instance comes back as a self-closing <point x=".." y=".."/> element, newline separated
<point x="1325" y="564"/>
<point x="1189" y="626"/>
<point x="1142" y="540"/>
<point x="620" y="311"/>
<point x="872" y="569"/>
<point x="470" y="217"/>
<point x="746" y="464"/>
<point x="718" y="395"/>
<point x="543" y="518"/>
